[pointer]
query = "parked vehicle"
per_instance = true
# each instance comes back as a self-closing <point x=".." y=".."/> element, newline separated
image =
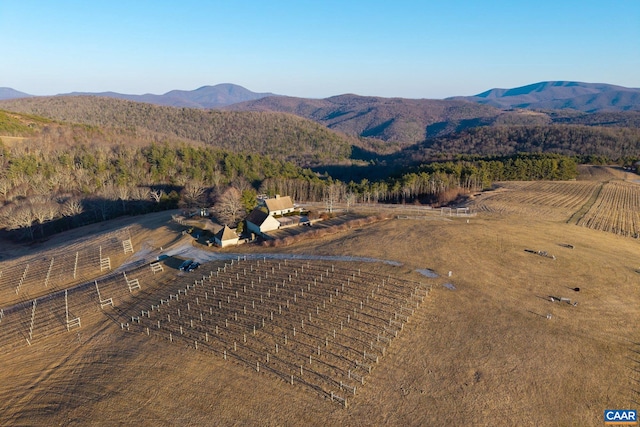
<point x="193" y="266"/>
<point x="185" y="265"/>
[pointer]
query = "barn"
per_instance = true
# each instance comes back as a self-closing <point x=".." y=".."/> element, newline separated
<point x="260" y="222"/>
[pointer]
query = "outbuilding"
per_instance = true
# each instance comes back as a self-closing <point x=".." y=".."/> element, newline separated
<point x="225" y="237"/>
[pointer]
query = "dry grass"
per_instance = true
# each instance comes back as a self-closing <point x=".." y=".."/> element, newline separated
<point x="289" y="236"/>
<point x="616" y="209"/>
<point x="552" y="201"/>
<point x="484" y="353"/>
<point x="603" y="173"/>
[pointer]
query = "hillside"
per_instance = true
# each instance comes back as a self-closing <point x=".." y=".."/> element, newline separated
<point x="286" y="136"/>
<point x="587" y="97"/>
<point x="20" y="125"/>
<point x="570" y="140"/>
<point x="281" y="136"/>
<point x="379" y="125"/>
<point x="398" y="120"/>
<point x="630" y="119"/>
<point x="404" y="122"/>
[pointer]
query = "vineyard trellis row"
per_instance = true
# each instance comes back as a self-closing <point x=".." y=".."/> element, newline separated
<point x="57" y="313"/>
<point x="35" y="276"/>
<point x="616" y="210"/>
<point x="551" y="200"/>
<point x="308" y="323"/>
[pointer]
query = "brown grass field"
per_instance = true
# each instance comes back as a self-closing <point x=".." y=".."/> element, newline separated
<point x="484" y="353"/>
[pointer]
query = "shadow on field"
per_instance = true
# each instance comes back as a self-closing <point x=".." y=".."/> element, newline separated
<point x="537" y="314"/>
<point x="549" y="298"/>
<point x="173" y="262"/>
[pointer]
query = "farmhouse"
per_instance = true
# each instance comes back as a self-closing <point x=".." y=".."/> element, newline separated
<point x="278" y="205"/>
<point x="225" y="237"/>
<point x="260" y="222"/>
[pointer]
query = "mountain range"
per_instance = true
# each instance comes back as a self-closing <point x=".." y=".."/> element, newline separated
<point x="8" y="93"/>
<point x="586" y="97"/>
<point x="204" y="97"/>
<point x="551" y="95"/>
<point x="377" y="135"/>
<point x="408" y="121"/>
<point x="377" y="125"/>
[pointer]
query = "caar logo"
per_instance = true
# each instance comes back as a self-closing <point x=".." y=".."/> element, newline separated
<point x="620" y="417"/>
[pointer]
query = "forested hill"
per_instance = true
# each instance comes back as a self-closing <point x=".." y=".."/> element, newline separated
<point x="403" y="122"/>
<point x="282" y="136"/>
<point x="607" y="143"/>
<point x="400" y="120"/>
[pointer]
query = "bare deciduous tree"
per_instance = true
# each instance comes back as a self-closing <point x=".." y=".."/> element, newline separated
<point x="20" y="217"/>
<point x="124" y="193"/>
<point x="332" y="195"/>
<point x="241" y="184"/>
<point x="179" y="179"/>
<point x="40" y="185"/>
<point x="140" y="193"/>
<point x="228" y="209"/>
<point x="5" y="187"/>
<point x="156" y="195"/>
<point x="193" y="193"/>
<point x="351" y="198"/>
<point x="43" y="209"/>
<point x="72" y="207"/>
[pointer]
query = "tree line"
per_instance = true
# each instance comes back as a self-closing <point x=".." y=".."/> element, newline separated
<point x="613" y="143"/>
<point x="280" y="135"/>
<point x="432" y="182"/>
<point x="47" y="191"/>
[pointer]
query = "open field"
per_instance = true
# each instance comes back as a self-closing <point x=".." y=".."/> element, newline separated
<point x="553" y="201"/>
<point x="610" y="204"/>
<point x="478" y="351"/>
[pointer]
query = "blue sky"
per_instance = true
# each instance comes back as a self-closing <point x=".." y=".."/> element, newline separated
<point x="412" y="49"/>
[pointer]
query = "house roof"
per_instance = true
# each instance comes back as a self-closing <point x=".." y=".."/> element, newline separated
<point x="279" y="203"/>
<point x="257" y="216"/>
<point x="226" y="233"/>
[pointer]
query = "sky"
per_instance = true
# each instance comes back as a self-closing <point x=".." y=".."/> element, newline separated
<point x="315" y="49"/>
